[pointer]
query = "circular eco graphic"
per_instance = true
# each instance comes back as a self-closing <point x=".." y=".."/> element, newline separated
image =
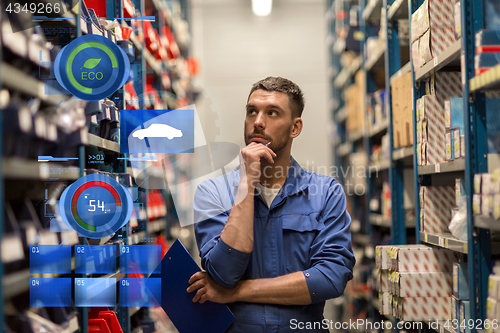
<point x="92" y="67"/>
<point x="96" y="206"/>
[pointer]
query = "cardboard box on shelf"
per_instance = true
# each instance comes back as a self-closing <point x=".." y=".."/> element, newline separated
<point x="448" y="142"/>
<point x="445" y="85"/>
<point x="461" y="281"/>
<point x="457" y="20"/>
<point x="422" y="258"/>
<point x="435" y="151"/>
<point x="476" y="204"/>
<point x="486" y="204"/>
<point x="425" y="47"/>
<point x="477" y="183"/>
<point x="385" y="303"/>
<point x="381" y="260"/>
<point x="462" y="146"/>
<point x="425" y="308"/>
<point x="486" y="183"/>
<point x="492" y="313"/>
<point x="436" y="222"/>
<point x="441" y="23"/>
<point x="456" y="143"/>
<point x="454" y="308"/>
<point x="495" y="181"/>
<point x="494" y="287"/>
<point x="419" y="154"/>
<point x="402" y="111"/>
<point x="355" y="103"/>
<point x="433" y="284"/>
<point x="464" y="316"/>
<point x="496" y="207"/>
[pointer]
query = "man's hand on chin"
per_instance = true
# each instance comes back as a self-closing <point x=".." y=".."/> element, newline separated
<point x="209" y="290"/>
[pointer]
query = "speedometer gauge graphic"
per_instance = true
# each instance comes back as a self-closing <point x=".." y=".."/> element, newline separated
<point x="96" y="206"/>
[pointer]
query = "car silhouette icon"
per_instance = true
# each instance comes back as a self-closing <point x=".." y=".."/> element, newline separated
<point x="158" y="131"/>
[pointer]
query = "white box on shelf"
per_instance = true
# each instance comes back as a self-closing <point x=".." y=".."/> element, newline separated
<point x="476" y="204"/>
<point x="486" y="183"/>
<point x="456" y="143"/>
<point x="431" y="284"/>
<point x="486" y="205"/>
<point x="494" y="287"/>
<point x="477" y="183"/>
<point x="425" y="308"/>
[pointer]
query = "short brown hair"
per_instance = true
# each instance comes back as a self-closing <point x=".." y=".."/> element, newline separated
<point x="295" y="95"/>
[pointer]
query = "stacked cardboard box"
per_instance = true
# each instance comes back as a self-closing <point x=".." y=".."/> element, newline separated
<point x="436" y="205"/>
<point x="355" y="103"/>
<point x="434" y="133"/>
<point x="402" y="111"/>
<point x="486" y="198"/>
<point x="432" y="30"/>
<point x="415" y="281"/>
<point x="493" y="302"/>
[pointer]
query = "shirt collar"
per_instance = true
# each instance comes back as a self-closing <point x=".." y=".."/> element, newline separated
<point x="297" y="179"/>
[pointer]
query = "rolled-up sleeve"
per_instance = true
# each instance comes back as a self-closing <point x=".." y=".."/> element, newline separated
<point x="224" y="264"/>
<point x="332" y="259"/>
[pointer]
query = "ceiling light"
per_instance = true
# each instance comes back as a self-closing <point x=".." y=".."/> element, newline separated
<point x="262" y="7"/>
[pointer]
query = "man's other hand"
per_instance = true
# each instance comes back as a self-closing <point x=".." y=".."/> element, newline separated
<point x="209" y="290"/>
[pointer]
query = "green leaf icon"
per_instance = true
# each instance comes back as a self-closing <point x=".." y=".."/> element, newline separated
<point x="91" y="63"/>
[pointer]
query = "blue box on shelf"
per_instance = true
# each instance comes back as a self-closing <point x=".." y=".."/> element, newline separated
<point x="463" y="323"/>
<point x="461" y="281"/>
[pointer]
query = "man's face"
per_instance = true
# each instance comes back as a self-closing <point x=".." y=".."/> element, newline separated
<point x="268" y="118"/>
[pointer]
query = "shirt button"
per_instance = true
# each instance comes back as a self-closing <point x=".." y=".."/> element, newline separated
<point x="307" y="274"/>
<point x="282" y="195"/>
<point x="229" y="250"/>
<point x="314" y="294"/>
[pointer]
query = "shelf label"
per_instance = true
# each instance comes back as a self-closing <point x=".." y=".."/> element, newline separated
<point x="437" y="168"/>
<point x="436" y="61"/>
<point x="425" y="237"/>
<point x="441" y="241"/>
<point x="446" y="243"/>
<point x="402" y="153"/>
<point x="465" y="247"/>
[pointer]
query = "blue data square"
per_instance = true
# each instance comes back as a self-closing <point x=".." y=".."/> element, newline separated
<point x="95" y="259"/>
<point x="157" y="131"/>
<point x="50" y="292"/>
<point x="97" y="292"/>
<point x="143" y="259"/>
<point x="50" y="259"/>
<point x="140" y="292"/>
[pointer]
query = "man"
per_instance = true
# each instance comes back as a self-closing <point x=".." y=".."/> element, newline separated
<point x="273" y="238"/>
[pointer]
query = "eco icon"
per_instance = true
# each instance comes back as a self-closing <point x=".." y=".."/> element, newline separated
<point x="92" y="67"/>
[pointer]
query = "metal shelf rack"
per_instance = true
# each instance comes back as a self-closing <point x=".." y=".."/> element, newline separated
<point x="458" y="57"/>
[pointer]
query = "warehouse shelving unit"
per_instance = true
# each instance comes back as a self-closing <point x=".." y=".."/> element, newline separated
<point x="25" y="178"/>
<point x="458" y="57"/>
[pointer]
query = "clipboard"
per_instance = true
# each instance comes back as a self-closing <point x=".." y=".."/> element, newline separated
<point x="177" y="267"/>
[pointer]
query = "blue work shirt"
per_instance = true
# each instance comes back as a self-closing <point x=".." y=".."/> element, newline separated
<point x="306" y="229"/>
